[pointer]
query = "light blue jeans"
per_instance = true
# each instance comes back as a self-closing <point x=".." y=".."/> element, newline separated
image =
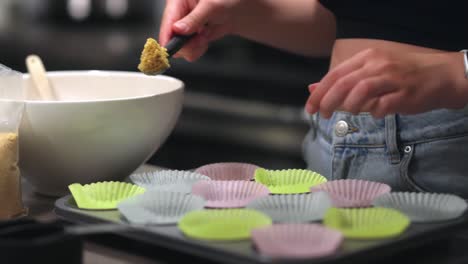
<point x="424" y="152"/>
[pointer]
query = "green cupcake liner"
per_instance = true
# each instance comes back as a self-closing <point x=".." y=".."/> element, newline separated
<point x="103" y="195"/>
<point x="367" y="223"/>
<point x="288" y="181"/>
<point x="222" y="224"/>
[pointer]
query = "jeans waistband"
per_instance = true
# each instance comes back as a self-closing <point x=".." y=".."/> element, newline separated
<point x="363" y="129"/>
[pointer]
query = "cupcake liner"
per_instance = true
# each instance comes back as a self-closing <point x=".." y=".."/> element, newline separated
<point x="296" y="240"/>
<point x="367" y="223"/>
<point x="103" y="195"/>
<point x="154" y="207"/>
<point x="229" y="194"/>
<point x="288" y="181"/>
<point x="352" y="193"/>
<point x="180" y="187"/>
<point x="225" y="171"/>
<point x="293" y="207"/>
<point x="168" y="180"/>
<point x="424" y="207"/>
<point x="222" y="224"/>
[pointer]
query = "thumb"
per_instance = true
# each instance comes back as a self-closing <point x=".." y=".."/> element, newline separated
<point x="195" y="20"/>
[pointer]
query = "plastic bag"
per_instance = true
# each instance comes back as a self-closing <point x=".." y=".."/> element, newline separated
<point x="11" y="113"/>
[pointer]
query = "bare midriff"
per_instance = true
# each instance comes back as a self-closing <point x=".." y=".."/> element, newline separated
<point x="346" y="48"/>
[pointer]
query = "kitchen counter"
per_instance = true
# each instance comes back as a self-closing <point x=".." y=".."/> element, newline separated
<point x="41" y="208"/>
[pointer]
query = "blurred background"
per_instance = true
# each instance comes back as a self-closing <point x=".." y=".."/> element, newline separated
<point x="243" y="102"/>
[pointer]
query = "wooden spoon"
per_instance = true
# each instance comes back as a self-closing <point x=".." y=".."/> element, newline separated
<point x="38" y="75"/>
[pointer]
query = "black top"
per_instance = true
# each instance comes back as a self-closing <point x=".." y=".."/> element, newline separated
<point x="435" y="24"/>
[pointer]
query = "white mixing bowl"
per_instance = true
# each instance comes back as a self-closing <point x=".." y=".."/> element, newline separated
<point x="104" y="125"/>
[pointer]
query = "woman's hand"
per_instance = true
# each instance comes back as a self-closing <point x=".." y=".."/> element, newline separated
<point x="382" y="82"/>
<point x="300" y="26"/>
<point x="211" y="18"/>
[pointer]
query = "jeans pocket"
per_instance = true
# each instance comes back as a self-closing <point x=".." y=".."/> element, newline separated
<point x="407" y="181"/>
<point x="439" y="165"/>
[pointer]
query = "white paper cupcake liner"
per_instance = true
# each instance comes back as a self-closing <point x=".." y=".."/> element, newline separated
<point x="351" y="192"/>
<point x="424" y="207"/>
<point x="168" y="180"/>
<point x="181" y="187"/>
<point x="154" y="207"/>
<point x="228" y="171"/>
<point x="293" y="208"/>
<point x="284" y="241"/>
<point x="229" y="194"/>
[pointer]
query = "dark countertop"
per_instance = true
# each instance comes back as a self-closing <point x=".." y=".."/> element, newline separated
<point x="41" y="208"/>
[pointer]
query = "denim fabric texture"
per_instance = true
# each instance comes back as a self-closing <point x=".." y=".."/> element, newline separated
<point x="423" y="152"/>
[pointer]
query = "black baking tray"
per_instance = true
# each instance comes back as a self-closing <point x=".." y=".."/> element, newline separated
<point x="168" y="237"/>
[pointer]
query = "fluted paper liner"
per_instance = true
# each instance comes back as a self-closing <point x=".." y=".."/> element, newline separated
<point x="367" y="223"/>
<point x="282" y="241"/>
<point x="424" y="207"/>
<point x="288" y="181"/>
<point x="352" y="192"/>
<point x="155" y="207"/>
<point x="293" y="207"/>
<point x="103" y="195"/>
<point x="222" y="224"/>
<point x="181" y="187"/>
<point x="168" y="180"/>
<point x="225" y="171"/>
<point x="229" y="194"/>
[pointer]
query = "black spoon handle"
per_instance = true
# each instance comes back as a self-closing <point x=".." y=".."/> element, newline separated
<point x="176" y="43"/>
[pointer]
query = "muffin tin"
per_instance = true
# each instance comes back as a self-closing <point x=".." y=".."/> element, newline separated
<point x="175" y="237"/>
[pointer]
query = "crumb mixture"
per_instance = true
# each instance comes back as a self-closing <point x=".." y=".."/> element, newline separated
<point x="154" y="58"/>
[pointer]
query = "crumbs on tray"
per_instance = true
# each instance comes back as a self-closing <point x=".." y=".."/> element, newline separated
<point x="154" y="58"/>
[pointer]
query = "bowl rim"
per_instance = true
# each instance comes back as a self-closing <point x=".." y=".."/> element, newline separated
<point x="180" y="86"/>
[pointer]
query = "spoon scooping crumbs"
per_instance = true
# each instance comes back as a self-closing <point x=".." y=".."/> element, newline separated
<point x="155" y="58"/>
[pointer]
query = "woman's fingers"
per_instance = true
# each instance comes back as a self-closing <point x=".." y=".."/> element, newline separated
<point x="197" y="18"/>
<point x="193" y="49"/>
<point x="312" y="87"/>
<point x="329" y="80"/>
<point x="366" y="90"/>
<point x="387" y="104"/>
<point x="339" y="91"/>
<point x="308" y="105"/>
<point x="173" y="11"/>
<point x="215" y="32"/>
<point x="204" y="19"/>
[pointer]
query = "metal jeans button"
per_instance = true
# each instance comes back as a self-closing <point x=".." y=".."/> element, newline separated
<point x="341" y="128"/>
<point x="408" y="149"/>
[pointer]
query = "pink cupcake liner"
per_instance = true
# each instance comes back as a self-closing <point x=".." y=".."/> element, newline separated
<point x="224" y="171"/>
<point x="229" y="194"/>
<point x="296" y="240"/>
<point x="352" y="192"/>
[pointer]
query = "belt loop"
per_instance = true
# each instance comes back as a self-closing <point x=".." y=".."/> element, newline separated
<point x="391" y="138"/>
<point x="313" y="122"/>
